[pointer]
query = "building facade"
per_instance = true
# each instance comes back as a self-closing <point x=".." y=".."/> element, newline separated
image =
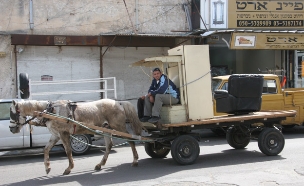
<point x="86" y="39"/>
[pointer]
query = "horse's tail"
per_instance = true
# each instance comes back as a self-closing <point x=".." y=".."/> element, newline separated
<point x="132" y="116"/>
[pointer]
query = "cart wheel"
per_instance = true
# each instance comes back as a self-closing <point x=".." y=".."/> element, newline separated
<point x="185" y="149"/>
<point x="80" y="147"/>
<point x="156" y="150"/>
<point x="24" y="86"/>
<point x="236" y="138"/>
<point x="271" y="141"/>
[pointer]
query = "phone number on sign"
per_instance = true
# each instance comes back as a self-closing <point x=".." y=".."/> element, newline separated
<point x="270" y="23"/>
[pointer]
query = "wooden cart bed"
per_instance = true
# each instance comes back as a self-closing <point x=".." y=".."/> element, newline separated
<point x="262" y="115"/>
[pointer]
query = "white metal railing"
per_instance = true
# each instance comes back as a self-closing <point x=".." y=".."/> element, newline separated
<point x="105" y="90"/>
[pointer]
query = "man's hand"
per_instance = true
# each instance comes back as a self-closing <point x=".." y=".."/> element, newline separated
<point x="150" y="96"/>
<point x="151" y="99"/>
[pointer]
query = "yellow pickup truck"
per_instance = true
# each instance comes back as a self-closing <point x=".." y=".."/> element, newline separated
<point x="273" y="97"/>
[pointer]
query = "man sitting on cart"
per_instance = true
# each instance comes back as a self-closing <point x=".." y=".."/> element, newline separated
<point x="162" y="91"/>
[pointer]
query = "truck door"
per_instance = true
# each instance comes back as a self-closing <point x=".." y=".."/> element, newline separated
<point x="272" y="98"/>
<point x="9" y="140"/>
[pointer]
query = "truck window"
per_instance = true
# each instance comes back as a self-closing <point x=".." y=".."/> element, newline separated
<point x="5" y="111"/>
<point x="225" y="86"/>
<point x="216" y="83"/>
<point x="269" y="87"/>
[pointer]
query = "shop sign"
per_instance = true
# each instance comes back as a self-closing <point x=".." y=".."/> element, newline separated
<point x="60" y="40"/>
<point x="266" y="14"/>
<point x="46" y="78"/>
<point x="277" y="41"/>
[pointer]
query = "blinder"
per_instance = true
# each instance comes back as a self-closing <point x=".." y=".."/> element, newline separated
<point x="15" y="117"/>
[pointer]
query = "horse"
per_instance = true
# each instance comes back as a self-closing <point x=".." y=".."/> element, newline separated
<point x="103" y="113"/>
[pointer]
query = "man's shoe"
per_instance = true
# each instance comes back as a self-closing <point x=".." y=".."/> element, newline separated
<point x="154" y="119"/>
<point x="145" y="118"/>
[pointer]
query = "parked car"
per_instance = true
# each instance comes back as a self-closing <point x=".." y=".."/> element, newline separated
<point x="33" y="136"/>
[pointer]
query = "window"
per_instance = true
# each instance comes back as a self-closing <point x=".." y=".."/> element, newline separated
<point x="225" y="86"/>
<point x="269" y="87"/>
<point x="5" y="110"/>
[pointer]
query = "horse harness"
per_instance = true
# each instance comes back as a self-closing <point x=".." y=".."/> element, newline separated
<point x="49" y="109"/>
<point x="71" y="107"/>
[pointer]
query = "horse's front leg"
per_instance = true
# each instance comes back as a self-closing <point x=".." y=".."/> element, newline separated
<point x="135" y="155"/>
<point x="109" y="144"/>
<point x="65" y="138"/>
<point x="53" y="140"/>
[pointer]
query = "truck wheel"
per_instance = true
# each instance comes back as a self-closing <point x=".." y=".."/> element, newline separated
<point x="236" y="138"/>
<point x="24" y="86"/>
<point x="80" y="147"/>
<point x="271" y="141"/>
<point x="156" y="150"/>
<point x="185" y="149"/>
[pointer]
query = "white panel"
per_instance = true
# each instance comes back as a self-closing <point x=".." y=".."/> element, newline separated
<point x="198" y="80"/>
<point x="176" y="51"/>
<point x="63" y="63"/>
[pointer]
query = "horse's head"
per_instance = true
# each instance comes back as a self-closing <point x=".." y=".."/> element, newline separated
<point x="16" y="120"/>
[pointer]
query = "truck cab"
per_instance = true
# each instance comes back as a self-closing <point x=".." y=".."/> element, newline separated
<point x="29" y="136"/>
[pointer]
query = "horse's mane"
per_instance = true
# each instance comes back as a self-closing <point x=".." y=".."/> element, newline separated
<point x="28" y="107"/>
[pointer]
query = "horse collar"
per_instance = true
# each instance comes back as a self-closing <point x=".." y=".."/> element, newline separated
<point x="72" y="106"/>
<point x="49" y="107"/>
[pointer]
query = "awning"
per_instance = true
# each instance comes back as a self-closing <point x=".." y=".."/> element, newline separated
<point x="156" y="61"/>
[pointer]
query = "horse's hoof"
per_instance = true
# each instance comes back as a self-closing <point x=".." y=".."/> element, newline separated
<point x="134" y="165"/>
<point x="97" y="167"/>
<point x="48" y="170"/>
<point x="66" y="172"/>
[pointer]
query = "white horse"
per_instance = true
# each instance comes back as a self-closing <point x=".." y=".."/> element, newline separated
<point x="103" y="113"/>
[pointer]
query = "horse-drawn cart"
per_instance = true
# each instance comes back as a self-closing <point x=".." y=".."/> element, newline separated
<point x="189" y="68"/>
<point x="182" y="141"/>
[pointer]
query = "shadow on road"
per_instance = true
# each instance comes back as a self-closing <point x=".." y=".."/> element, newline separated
<point x="148" y="169"/>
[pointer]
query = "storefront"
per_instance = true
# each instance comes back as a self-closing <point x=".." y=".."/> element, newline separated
<point x="257" y="37"/>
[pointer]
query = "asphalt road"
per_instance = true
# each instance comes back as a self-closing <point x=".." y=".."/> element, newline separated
<point x="218" y="164"/>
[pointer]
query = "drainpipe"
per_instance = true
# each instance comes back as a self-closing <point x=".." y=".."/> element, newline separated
<point x="31" y="15"/>
<point x="136" y="15"/>
<point x="188" y="16"/>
